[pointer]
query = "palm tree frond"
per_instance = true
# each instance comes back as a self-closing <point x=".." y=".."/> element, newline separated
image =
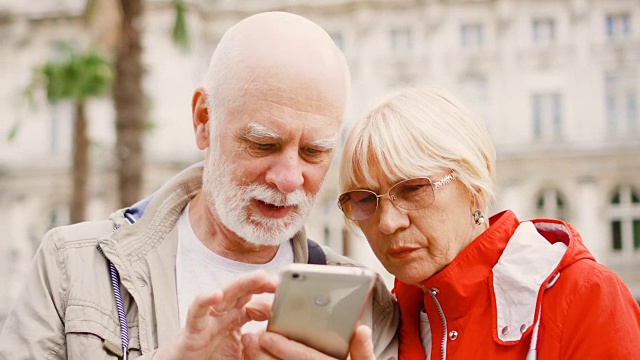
<point x="180" y="34"/>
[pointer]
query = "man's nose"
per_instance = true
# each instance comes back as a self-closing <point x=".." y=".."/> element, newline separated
<point x="286" y="173"/>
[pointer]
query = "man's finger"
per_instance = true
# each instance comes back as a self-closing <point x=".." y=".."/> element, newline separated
<point x="228" y="305"/>
<point x="361" y="345"/>
<point x="259" y="309"/>
<point x="257" y="282"/>
<point x="200" y="308"/>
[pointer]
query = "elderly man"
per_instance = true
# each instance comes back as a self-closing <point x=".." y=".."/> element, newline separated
<point x="267" y="116"/>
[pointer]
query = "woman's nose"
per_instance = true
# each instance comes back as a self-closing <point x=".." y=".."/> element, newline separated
<point x="391" y="218"/>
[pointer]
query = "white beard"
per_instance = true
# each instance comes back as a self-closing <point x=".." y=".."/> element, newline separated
<point x="232" y="205"/>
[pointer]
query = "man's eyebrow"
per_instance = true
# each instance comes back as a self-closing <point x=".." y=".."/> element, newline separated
<point x="254" y="130"/>
<point x="329" y="143"/>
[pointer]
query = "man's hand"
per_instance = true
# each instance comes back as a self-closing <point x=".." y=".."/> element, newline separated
<point x="214" y="321"/>
<point x="274" y="346"/>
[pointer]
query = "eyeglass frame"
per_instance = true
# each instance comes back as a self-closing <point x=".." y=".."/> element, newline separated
<point x="434" y="185"/>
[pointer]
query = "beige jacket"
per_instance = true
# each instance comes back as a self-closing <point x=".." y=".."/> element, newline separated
<point x="67" y="310"/>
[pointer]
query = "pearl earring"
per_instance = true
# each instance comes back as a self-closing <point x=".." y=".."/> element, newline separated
<point x="478" y="217"/>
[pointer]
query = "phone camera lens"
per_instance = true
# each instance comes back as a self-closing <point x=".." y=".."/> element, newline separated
<point x="321" y="300"/>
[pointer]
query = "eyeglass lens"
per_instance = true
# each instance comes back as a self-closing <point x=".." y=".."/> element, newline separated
<point x="409" y="194"/>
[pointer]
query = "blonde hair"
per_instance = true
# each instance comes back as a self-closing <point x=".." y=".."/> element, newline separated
<point x="420" y="132"/>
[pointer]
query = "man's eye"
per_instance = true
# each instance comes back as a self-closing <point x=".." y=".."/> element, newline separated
<point x="312" y="151"/>
<point x="314" y="155"/>
<point x="262" y="147"/>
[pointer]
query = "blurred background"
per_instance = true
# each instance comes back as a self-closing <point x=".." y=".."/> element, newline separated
<point x="95" y="100"/>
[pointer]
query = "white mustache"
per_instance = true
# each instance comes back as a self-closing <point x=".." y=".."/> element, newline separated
<point x="273" y="197"/>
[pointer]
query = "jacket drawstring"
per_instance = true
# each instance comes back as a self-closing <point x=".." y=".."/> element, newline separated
<point x="115" y="284"/>
<point x="532" y="354"/>
<point x="122" y="317"/>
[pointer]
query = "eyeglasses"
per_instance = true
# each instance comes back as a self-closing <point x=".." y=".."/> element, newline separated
<point x="410" y="194"/>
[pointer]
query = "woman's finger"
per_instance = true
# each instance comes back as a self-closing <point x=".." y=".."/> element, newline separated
<point x="282" y="348"/>
<point x="251" y="348"/>
<point x="361" y="345"/>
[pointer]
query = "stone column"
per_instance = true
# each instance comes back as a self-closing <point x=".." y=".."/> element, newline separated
<point x="586" y="220"/>
<point x="514" y="197"/>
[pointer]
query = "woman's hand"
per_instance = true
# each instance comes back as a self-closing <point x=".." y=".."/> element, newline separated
<point x="270" y="345"/>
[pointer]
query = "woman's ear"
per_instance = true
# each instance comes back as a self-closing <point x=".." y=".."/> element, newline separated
<point x="475" y="203"/>
<point x="200" y="115"/>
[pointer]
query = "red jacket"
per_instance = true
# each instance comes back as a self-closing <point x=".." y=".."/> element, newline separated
<point x="492" y="296"/>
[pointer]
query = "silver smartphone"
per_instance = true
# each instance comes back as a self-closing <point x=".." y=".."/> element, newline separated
<point x="320" y="305"/>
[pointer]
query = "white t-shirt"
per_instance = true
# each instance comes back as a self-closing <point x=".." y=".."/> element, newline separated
<point x="200" y="270"/>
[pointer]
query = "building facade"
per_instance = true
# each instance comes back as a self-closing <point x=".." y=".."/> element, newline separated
<point x="557" y="83"/>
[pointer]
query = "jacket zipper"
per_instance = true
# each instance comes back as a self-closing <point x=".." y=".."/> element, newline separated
<point x="443" y="344"/>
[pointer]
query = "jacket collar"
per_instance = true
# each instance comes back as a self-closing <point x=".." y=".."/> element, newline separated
<point x="136" y="240"/>
<point x="458" y="280"/>
<point x="526" y="264"/>
<point x="467" y="274"/>
<point x="501" y="254"/>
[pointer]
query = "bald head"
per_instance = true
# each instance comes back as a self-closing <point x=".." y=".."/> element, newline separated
<point x="281" y="54"/>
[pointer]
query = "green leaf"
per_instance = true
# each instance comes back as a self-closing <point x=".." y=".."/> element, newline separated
<point x="77" y="76"/>
<point x="73" y="77"/>
<point x="11" y="135"/>
<point x="180" y="34"/>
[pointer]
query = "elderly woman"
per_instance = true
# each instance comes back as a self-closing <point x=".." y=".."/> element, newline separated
<point x="418" y="178"/>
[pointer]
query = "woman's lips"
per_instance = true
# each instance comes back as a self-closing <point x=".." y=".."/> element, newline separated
<point x="273" y="211"/>
<point x="401" y="252"/>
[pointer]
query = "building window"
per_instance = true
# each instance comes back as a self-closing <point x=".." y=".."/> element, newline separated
<point x="544" y="31"/>
<point x="472" y="35"/>
<point x="547" y="116"/>
<point x="618" y="26"/>
<point x="621" y="96"/>
<point x="551" y="204"/>
<point x="327" y="235"/>
<point x="625" y="219"/>
<point x="474" y="89"/>
<point x="401" y="40"/>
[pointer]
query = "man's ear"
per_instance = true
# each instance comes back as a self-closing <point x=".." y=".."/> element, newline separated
<point x="200" y="115"/>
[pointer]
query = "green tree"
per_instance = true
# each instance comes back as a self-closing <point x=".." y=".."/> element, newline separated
<point x="76" y="77"/>
<point x="123" y="22"/>
<point x="129" y="99"/>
